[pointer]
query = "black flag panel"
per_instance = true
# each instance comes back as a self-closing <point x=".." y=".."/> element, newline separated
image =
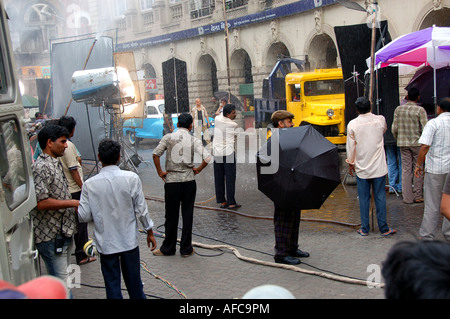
<point x="175" y="86"/>
<point x="354" y="43"/>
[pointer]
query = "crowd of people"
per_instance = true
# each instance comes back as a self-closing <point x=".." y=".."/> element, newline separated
<point x="66" y="203"/>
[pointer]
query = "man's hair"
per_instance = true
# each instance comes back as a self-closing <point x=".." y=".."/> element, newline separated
<point x="37" y="114"/>
<point x="417" y="270"/>
<point x="68" y="122"/>
<point x="109" y="151"/>
<point x="185" y="120"/>
<point x="52" y="132"/>
<point x="413" y="94"/>
<point x="227" y="109"/>
<point x="362" y="105"/>
<point x="444" y="103"/>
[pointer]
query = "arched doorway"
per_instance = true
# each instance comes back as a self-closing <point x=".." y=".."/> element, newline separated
<point x="207" y="81"/>
<point x="440" y="18"/>
<point x="207" y="68"/>
<point x="240" y="61"/>
<point x="150" y="75"/>
<point x="277" y="50"/>
<point x="322" y="52"/>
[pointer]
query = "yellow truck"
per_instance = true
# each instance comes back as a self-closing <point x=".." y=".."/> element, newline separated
<point x="318" y="98"/>
<point x="314" y="97"/>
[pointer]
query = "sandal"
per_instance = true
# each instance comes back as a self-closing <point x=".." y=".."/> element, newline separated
<point x="235" y="206"/>
<point x="419" y="200"/>
<point x="87" y="260"/>
<point x="390" y="232"/>
<point x="224" y="205"/>
<point x="362" y="233"/>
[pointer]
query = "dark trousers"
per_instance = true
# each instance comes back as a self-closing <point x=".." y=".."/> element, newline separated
<point x="287" y="225"/>
<point x="129" y="263"/>
<point x="82" y="236"/>
<point x="225" y="178"/>
<point x="177" y="194"/>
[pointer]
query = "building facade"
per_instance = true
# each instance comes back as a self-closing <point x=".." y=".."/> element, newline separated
<point x="193" y="31"/>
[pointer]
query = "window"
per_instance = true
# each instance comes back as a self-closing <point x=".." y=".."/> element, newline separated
<point x="295" y="92"/>
<point x="324" y="87"/>
<point x="120" y="7"/>
<point x="12" y="164"/>
<point x="146" y="4"/>
<point x="151" y="110"/>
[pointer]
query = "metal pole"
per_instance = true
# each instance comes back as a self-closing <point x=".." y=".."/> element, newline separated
<point x="227" y="49"/>
<point x="434" y="79"/>
<point x="372" y="55"/>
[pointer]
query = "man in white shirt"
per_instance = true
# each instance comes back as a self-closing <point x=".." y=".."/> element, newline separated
<point x="114" y="201"/>
<point x="435" y="153"/>
<point x="366" y="157"/>
<point x="224" y="157"/>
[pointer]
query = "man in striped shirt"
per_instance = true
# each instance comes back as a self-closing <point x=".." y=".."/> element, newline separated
<point x="435" y="152"/>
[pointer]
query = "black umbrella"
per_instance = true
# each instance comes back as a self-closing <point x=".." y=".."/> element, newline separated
<point x="298" y="168"/>
<point x="423" y="80"/>
<point x="233" y="99"/>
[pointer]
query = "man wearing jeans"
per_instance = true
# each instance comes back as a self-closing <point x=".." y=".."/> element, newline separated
<point x="366" y="157"/>
<point x="54" y="218"/>
<point x="114" y="201"/>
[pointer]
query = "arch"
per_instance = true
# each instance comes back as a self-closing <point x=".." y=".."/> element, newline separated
<point x="207" y="72"/>
<point x="322" y="52"/>
<point x="428" y="10"/>
<point x="275" y="51"/>
<point x="328" y="35"/>
<point x="240" y="61"/>
<point x="440" y="18"/>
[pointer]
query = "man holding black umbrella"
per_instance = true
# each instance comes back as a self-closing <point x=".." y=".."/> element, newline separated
<point x="287" y="222"/>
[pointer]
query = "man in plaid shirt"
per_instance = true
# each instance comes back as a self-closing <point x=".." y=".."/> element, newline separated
<point x="408" y="124"/>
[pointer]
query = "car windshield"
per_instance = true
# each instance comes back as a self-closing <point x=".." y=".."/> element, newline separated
<point x="324" y="87"/>
<point x="161" y="108"/>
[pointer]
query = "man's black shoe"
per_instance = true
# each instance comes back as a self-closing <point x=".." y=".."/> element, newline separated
<point x="300" y="253"/>
<point x="288" y="260"/>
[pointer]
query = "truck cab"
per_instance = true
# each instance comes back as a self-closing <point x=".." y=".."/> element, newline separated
<point x="318" y="98"/>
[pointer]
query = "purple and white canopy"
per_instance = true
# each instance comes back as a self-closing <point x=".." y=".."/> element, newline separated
<point x="429" y="46"/>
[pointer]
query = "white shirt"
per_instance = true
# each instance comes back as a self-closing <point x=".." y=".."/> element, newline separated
<point x="365" y="145"/>
<point x="224" y="135"/>
<point x="114" y="200"/>
<point x="436" y="134"/>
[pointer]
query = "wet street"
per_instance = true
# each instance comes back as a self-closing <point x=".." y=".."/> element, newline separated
<point x="338" y="254"/>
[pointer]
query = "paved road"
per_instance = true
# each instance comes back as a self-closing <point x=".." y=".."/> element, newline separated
<point x="336" y="249"/>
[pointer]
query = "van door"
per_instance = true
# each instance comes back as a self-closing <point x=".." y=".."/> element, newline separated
<point x="18" y="262"/>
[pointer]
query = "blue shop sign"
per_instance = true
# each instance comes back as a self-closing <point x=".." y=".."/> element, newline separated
<point x="269" y="14"/>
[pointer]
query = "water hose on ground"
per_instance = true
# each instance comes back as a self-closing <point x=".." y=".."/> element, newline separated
<point x="236" y="252"/>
